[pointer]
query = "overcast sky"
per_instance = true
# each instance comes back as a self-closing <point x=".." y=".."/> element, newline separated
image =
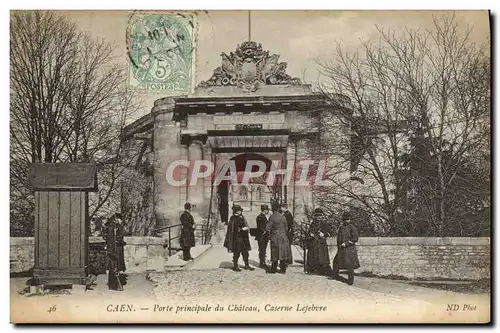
<point x="299" y="37"/>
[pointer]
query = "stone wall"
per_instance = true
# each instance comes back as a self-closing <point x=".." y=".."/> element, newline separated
<point x="423" y="257"/>
<point x="22" y="254"/>
<point x="410" y="257"/>
<point x="141" y="254"/>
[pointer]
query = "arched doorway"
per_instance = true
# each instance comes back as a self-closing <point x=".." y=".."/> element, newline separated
<point x="250" y="195"/>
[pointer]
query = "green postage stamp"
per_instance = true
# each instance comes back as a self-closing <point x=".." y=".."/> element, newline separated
<point x="160" y="50"/>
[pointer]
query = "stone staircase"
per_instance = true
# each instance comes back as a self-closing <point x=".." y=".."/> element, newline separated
<point x="214" y="255"/>
<point x="176" y="262"/>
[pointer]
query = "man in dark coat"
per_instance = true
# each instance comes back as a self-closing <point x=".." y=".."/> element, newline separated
<point x="187" y="232"/>
<point x="318" y="259"/>
<point x="260" y="235"/>
<point x="289" y="220"/>
<point x="113" y="236"/>
<point x="277" y="229"/>
<point x="347" y="255"/>
<point x="237" y="238"/>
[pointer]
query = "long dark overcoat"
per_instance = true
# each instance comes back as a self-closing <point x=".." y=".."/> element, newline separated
<point x="317" y="254"/>
<point x="261" y="228"/>
<point x="347" y="257"/>
<point x="113" y="236"/>
<point x="237" y="240"/>
<point x="289" y="220"/>
<point x="277" y="228"/>
<point x="187" y="230"/>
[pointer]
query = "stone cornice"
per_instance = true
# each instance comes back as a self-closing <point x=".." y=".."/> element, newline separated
<point x="212" y="105"/>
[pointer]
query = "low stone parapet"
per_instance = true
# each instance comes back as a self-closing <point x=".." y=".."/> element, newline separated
<point x="141" y="254"/>
<point x="410" y="257"/>
<point x="423" y="257"/>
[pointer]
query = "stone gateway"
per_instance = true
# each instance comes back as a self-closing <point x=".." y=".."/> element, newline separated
<point x="249" y="110"/>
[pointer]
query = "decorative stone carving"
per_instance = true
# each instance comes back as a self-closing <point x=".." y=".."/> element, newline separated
<point x="249" y="67"/>
<point x="249" y="141"/>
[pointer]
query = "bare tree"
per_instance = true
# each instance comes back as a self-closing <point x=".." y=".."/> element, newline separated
<point x="435" y="82"/>
<point x="68" y="102"/>
<point x="445" y="81"/>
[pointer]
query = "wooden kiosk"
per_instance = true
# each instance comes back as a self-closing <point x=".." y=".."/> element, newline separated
<point x="62" y="221"/>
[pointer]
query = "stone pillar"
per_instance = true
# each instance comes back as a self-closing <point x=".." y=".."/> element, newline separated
<point x="169" y="199"/>
<point x="290" y="165"/>
<point x="195" y="190"/>
<point x="184" y="174"/>
<point x="303" y="190"/>
<point x="208" y="197"/>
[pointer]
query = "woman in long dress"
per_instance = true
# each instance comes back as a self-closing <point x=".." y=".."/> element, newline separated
<point x="318" y="258"/>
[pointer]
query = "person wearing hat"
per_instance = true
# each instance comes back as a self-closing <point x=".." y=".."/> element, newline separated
<point x="277" y="229"/>
<point x="318" y="259"/>
<point x="187" y="232"/>
<point x="237" y="238"/>
<point x="260" y="236"/>
<point x="113" y="235"/>
<point x="347" y="255"/>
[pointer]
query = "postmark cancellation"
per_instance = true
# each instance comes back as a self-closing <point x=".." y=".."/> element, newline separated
<point x="160" y="48"/>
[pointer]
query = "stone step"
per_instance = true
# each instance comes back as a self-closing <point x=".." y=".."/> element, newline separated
<point x="175" y="261"/>
<point x="219" y="255"/>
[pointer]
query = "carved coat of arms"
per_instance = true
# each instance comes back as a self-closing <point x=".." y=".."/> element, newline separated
<point x="248" y="68"/>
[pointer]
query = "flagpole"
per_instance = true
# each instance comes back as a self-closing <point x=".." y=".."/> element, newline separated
<point x="249" y="26"/>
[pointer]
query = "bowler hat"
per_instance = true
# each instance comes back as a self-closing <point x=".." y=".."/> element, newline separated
<point x="237" y="208"/>
<point x="264" y="207"/>
<point x="346" y="216"/>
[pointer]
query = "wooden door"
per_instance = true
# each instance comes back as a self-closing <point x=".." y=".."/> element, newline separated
<point x="61" y="235"/>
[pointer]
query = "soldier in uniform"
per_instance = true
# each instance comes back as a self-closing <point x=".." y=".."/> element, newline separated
<point x="237" y="238"/>
<point x="277" y="229"/>
<point x="113" y="236"/>
<point x="318" y="259"/>
<point x="347" y="255"/>
<point x="187" y="232"/>
<point x="289" y="220"/>
<point x="260" y="237"/>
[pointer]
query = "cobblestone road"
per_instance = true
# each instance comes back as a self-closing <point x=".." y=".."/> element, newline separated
<point x="257" y="286"/>
<point x="253" y="296"/>
<point x="210" y="280"/>
<point x="210" y="276"/>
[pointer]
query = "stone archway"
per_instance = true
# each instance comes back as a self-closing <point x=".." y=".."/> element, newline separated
<point x="243" y="190"/>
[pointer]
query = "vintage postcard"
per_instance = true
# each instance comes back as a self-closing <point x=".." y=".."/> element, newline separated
<point x="250" y="166"/>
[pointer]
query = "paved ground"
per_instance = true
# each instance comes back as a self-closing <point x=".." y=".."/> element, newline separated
<point x="137" y="287"/>
<point x="253" y="285"/>
<point x="210" y="279"/>
<point x="219" y="257"/>
<point x="99" y="305"/>
<point x="257" y="285"/>
<point x="250" y="296"/>
<point x="211" y="276"/>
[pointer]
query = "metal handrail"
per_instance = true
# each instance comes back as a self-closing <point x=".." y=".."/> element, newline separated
<point x="170" y="238"/>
